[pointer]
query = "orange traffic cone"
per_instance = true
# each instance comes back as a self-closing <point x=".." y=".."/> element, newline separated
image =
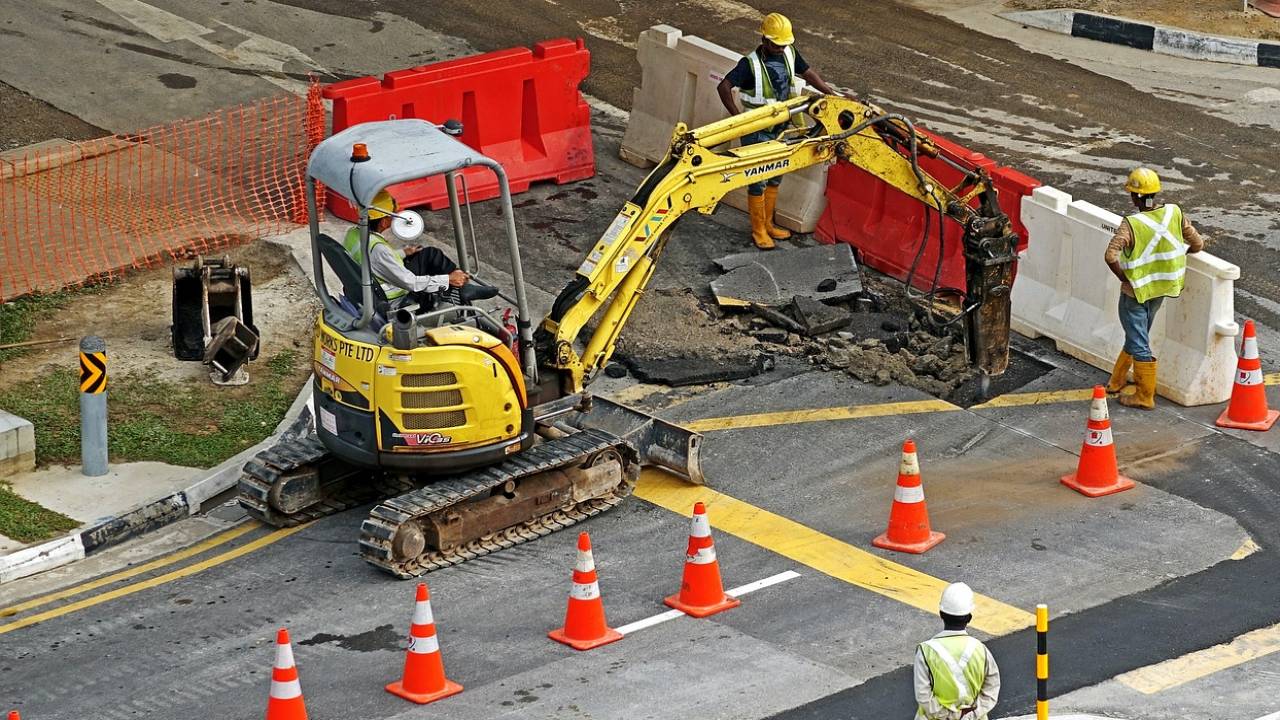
<point x="909" y="529"/>
<point x="423" y="679"/>
<point x="701" y="592"/>
<point x="1097" y="474"/>
<point x="13" y="715"/>
<point x="1248" y="407"/>
<point x="584" y="625"/>
<point x="285" y="700"/>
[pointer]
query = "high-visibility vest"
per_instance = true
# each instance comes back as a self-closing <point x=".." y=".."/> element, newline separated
<point x="764" y="91"/>
<point x="351" y="243"/>
<point x="1157" y="264"/>
<point x="958" y="664"/>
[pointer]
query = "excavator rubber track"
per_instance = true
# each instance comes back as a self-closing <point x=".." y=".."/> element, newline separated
<point x="299" y="454"/>
<point x="379" y="530"/>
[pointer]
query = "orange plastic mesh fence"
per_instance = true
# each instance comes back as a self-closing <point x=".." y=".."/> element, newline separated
<point x="78" y="211"/>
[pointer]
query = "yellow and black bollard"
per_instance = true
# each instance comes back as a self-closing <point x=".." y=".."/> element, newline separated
<point x="93" y="406"/>
<point x="1042" y="662"/>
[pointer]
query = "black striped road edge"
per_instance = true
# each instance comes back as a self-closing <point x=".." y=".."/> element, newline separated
<point x="1119" y="31"/>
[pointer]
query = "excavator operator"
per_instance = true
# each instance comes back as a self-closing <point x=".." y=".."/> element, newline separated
<point x="772" y="72"/>
<point x="421" y="273"/>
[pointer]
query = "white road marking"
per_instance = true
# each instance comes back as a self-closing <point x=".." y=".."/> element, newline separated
<point x="1272" y="716"/>
<point x="256" y="52"/>
<point x="735" y="592"/>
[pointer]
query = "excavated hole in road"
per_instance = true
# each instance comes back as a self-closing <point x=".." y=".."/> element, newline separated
<point x="675" y="338"/>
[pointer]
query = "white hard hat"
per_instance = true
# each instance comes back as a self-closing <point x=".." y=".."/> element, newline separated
<point x="957" y="600"/>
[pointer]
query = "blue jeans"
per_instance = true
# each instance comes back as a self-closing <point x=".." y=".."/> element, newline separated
<point x="1136" y="319"/>
<point x="760" y="136"/>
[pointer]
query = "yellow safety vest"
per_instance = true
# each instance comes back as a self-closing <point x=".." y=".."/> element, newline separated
<point x="958" y="664"/>
<point x="351" y="243"/>
<point x="1157" y="264"/>
<point x="764" y="92"/>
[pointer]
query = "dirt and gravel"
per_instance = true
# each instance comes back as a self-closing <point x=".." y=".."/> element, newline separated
<point x="28" y="120"/>
<point x="133" y="316"/>
<point x="1217" y="17"/>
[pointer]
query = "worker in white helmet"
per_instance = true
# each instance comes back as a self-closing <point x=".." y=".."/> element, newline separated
<point x="956" y="678"/>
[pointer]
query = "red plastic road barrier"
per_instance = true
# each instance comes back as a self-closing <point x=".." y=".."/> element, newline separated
<point x="886" y="225"/>
<point x="517" y="106"/>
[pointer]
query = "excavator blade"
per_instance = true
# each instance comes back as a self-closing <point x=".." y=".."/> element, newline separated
<point x="659" y="442"/>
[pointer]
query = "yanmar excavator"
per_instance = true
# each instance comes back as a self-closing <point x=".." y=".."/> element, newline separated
<point x="477" y="435"/>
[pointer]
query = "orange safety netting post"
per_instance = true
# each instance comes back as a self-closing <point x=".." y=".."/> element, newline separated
<point x="78" y="211"/>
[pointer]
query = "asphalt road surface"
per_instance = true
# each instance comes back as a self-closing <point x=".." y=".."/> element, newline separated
<point x="1132" y="580"/>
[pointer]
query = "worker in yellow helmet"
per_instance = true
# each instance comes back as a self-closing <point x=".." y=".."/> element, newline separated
<point x="1149" y="256"/>
<point x="417" y="272"/>
<point x="955" y="675"/>
<point x="770" y="73"/>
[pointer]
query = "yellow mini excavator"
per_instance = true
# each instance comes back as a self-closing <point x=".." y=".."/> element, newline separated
<point x="475" y="435"/>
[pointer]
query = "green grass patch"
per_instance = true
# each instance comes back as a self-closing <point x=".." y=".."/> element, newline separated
<point x="27" y="522"/>
<point x="18" y="317"/>
<point x="195" y="424"/>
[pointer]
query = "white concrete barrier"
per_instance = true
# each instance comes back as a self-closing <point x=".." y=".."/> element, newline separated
<point x="1064" y="291"/>
<point x="679" y="74"/>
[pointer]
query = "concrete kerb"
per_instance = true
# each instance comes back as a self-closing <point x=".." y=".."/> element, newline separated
<point x="1146" y="36"/>
<point x="145" y="517"/>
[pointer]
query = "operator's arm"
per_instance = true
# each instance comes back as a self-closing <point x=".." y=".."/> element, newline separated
<point x="1121" y="242"/>
<point x="1195" y="243"/>
<point x="924" y="692"/>
<point x="812" y="77"/>
<point x="383" y="264"/>
<point x="990" y="691"/>
<point x="738" y="77"/>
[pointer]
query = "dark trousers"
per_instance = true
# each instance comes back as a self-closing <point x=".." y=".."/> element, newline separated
<point x="428" y="261"/>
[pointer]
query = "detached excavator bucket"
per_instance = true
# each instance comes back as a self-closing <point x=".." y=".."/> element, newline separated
<point x="659" y="442"/>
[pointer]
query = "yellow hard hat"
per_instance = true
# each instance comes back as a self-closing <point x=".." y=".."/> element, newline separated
<point x="383" y="205"/>
<point x="1143" y="181"/>
<point x="777" y="28"/>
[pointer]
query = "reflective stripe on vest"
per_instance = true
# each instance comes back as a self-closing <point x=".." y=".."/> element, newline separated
<point x="959" y="667"/>
<point x="764" y="92"/>
<point x="351" y="243"/>
<point x="1157" y="264"/>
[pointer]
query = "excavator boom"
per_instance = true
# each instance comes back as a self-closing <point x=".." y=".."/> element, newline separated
<point x="698" y="171"/>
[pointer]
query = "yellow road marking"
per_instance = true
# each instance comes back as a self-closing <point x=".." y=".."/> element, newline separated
<point x="1178" y="671"/>
<point x="196" y="549"/>
<point x="178" y="574"/>
<point x="791" y="417"/>
<point x="1271" y="378"/>
<point x="822" y="552"/>
<point x="1247" y="548"/>
<point x="1036" y="398"/>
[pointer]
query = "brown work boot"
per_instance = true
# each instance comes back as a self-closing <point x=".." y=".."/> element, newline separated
<point x="759" y="226"/>
<point x="771" y="200"/>
<point x="1120" y="375"/>
<point x="1144" y="373"/>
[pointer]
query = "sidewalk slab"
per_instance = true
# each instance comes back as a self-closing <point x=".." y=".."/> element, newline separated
<point x="65" y="490"/>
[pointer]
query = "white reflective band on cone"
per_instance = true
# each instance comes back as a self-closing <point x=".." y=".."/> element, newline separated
<point x="1098" y="438"/>
<point x="586" y="563"/>
<point x="422" y="613"/>
<point x="1249" y="377"/>
<point x="909" y="494"/>
<point x="584" y="591"/>
<point x="424" y="645"/>
<point x="910" y="464"/>
<point x="285" y="690"/>
<point x="1250" y="349"/>
<point x="284" y="656"/>
<point x="1098" y="410"/>
<point x="701" y="526"/>
<point x="704" y="556"/>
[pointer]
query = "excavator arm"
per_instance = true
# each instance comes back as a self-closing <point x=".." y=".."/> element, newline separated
<point x="699" y="170"/>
